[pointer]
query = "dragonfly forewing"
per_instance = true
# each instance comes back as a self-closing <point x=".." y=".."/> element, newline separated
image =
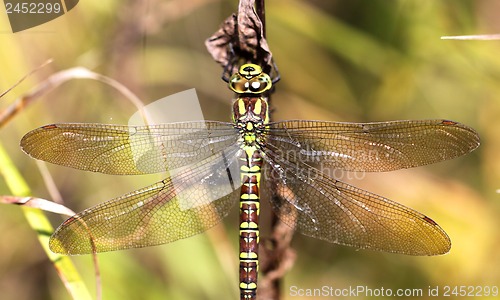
<point x="372" y="147"/>
<point x="128" y="150"/>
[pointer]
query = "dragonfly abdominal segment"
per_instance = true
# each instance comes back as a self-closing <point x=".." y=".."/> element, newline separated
<point x="211" y="165"/>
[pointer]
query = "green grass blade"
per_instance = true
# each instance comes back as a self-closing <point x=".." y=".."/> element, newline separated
<point x="41" y="225"/>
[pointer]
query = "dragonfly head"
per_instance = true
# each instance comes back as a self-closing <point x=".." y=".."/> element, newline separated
<point x="250" y="80"/>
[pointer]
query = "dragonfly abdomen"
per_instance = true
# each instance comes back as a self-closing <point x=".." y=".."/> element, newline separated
<point x="250" y="170"/>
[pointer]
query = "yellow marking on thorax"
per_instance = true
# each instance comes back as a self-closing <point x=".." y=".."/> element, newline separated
<point x="250" y="139"/>
<point x="258" y="107"/>
<point x="241" y="107"/>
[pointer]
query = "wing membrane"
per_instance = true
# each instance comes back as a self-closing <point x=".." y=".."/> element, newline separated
<point x="185" y="204"/>
<point x="324" y="208"/>
<point x="128" y="150"/>
<point x="372" y="147"/>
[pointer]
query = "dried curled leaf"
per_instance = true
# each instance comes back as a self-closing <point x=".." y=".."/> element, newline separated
<point x="219" y="44"/>
<point x="240" y="38"/>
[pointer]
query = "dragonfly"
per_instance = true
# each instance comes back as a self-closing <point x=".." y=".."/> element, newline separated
<point x="210" y="165"/>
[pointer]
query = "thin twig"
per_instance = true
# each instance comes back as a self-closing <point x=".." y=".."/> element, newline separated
<point x="26" y="76"/>
<point x="260" y="8"/>
<point x="279" y="257"/>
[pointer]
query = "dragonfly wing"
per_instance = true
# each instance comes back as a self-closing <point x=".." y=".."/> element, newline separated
<point x="372" y="147"/>
<point x="128" y="150"/>
<point x="324" y="208"/>
<point x="182" y="205"/>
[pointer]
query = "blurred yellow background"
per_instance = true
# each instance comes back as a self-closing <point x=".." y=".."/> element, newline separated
<point x="353" y="61"/>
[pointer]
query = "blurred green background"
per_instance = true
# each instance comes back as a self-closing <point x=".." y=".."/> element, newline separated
<point x="339" y="60"/>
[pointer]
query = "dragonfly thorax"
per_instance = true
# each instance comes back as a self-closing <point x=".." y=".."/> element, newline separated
<point x="250" y="115"/>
